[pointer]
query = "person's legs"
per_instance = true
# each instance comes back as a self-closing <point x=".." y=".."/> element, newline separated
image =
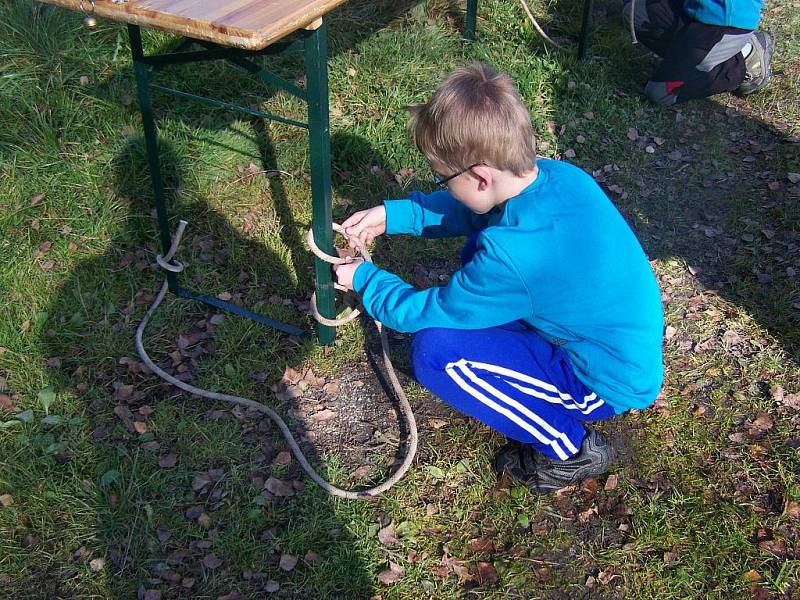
<point x="512" y="380"/>
<point x="700" y="61"/>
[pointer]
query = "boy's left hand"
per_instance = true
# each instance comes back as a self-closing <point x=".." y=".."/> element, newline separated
<point x="345" y="272"/>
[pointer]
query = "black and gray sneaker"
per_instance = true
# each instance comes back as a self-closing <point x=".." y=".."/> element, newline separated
<point x="757" y="64"/>
<point x="542" y="474"/>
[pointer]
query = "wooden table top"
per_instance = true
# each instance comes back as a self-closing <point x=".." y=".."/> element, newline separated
<point x="249" y="24"/>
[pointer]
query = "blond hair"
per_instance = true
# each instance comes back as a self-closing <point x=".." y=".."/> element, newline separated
<point x="475" y="116"/>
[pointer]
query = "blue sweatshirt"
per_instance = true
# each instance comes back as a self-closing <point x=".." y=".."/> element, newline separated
<point x="558" y="256"/>
<point x="744" y="14"/>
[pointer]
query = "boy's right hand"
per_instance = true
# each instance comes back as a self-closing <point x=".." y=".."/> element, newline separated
<point x="366" y="225"/>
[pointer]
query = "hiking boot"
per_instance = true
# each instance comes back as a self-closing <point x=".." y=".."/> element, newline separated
<point x="542" y="474"/>
<point x="757" y="64"/>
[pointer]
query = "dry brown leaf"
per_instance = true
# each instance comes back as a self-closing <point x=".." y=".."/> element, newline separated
<point x="760" y="425"/>
<point x="276" y="487"/>
<point x="793" y="177"/>
<point x="287" y="562"/>
<point x="210" y="561"/>
<point x="6" y="500"/>
<point x="487" y="573"/>
<point x="387" y="536"/>
<point x="611" y="482"/>
<point x="633" y="134"/>
<point x="481" y="545"/>
<point x="312" y="558"/>
<point x="284" y="458"/>
<point x="437" y="423"/>
<point x="7" y="403"/>
<point x="36" y="199"/>
<point x="792" y="509"/>
<point x="391" y="575"/>
<point x="323" y="415"/>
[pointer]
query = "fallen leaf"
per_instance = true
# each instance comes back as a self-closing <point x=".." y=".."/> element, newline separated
<point x="6" y="500"/>
<point x="793" y="177"/>
<point x="387" y="536"/>
<point x="204" y="521"/>
<point x="323" y="415"/>
<point x="277" y="487"/>
<point x="792" y="509"/>
<point x="570" y="153"/>
<point x="487" y="573"/>
<point x="481" y="545"/>
<point x="233" y="595"/>
<point x="163" y="534"/>
<point x="580" y="139"/>
<point x="151" y="595"/>
<point x="633" y="134"/>
<point x="284" y="458"/>
<point x="97" y="564"/>
<point x="611" y="482"/>
<point x="391" y="575"/>
<point x="287" y="562"/>
<point x="211" y="561"/>
<point x="760" y="425"/>
<point x="36" y="199"/>
<point x="312" y="558"/>
<point x="437" y="423"/>
<point x="7" y="403"/>
<point x="168" y="460"/>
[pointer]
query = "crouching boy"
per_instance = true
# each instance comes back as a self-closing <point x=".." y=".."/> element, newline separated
<point x="554" y="319"/>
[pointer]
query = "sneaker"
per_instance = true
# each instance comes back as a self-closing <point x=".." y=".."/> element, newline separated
<point x="542" y="474"/>
<point x="757" y="64"/>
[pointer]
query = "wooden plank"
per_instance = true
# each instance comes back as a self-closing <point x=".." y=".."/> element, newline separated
<point x="248" y="24"/>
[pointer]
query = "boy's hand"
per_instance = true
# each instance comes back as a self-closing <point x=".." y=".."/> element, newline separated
<point x="345" y="272"/>
<point x="366" y="225"/>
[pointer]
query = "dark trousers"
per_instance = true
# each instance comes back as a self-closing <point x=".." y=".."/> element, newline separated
<point x="699" y="60"/>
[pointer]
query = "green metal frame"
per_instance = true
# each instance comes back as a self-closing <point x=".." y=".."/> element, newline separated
<point x="313" y="43"/>
<point x="583" y="41"/>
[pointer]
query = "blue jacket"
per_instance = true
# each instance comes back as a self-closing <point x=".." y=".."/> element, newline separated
<point x="744" y="14"/>
<point x="558" y="256"/>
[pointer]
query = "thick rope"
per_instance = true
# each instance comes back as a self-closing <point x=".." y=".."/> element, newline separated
<point x="167" y="263"/>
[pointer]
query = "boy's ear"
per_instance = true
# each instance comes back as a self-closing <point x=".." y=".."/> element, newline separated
<point x="483" y="175"/>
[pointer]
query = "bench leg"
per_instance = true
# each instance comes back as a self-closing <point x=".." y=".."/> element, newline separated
<point x="583" y="43"/>
<point x="472" y="16"/>
<point x="151" y="144"/>
<point x="316" y="65"/>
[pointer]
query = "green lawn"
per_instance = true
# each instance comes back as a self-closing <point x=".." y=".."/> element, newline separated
<point x="114" y="485"/>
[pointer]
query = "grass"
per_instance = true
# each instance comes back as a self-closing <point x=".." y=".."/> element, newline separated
<point x="703" y="503"/>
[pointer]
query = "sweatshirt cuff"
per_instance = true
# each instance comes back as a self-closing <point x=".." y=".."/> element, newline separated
<point x="399" y="216"/>
<point x="362" y="275"/>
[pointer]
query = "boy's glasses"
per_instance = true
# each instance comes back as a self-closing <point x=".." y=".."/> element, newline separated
<point x="442" y="181"/>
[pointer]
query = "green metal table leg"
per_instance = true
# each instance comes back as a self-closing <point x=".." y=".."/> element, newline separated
<point x="472" y="15"/>
<point x="583" y="43"/>
<point x="316" y="64"/>
<point x="151" y="143"/>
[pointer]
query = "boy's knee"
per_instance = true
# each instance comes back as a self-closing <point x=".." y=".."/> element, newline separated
<point x="661" y="92"/>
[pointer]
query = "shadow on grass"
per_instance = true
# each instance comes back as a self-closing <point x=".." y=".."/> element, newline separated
<point x="179" y="482"/>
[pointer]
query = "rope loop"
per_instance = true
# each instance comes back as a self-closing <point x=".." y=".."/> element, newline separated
<point x="173" y="266"/>
<point x="334" y="260"/>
